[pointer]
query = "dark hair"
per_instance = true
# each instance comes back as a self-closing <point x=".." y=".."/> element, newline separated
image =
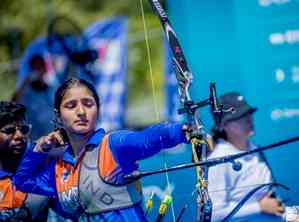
<point x="218" y="134"/>
<point x="11" y="112"/>
<point x="73" y="82"/>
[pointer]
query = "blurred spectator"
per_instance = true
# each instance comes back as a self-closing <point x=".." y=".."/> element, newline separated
<point x="38" y="97"/>
<point x="227" y="186"/>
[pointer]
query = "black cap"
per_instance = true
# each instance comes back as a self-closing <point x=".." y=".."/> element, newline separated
<point x="239" y="105"/>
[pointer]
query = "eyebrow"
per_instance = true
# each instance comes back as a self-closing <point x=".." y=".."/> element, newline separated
<point x="9" y="125"/>
<point x="89" y="97"/>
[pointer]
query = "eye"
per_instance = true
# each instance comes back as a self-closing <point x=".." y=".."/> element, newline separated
<point x="70" y="104"/>
<point x="25" y="129"/>
<point x="88" y="102"/>
<point x="8" y="130"/>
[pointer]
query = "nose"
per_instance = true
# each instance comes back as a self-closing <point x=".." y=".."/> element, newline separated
<point x="18" y="135"/>
<point x="80" y="110"/>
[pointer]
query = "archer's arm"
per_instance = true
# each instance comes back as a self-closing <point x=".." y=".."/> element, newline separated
<point x="130" y="146"/>
<point x="36" y="175"/>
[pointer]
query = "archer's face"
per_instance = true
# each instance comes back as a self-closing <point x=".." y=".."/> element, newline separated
<point x="13" y="138"/>
<point x="242" y="127"/>
<point x="78" y="111"/>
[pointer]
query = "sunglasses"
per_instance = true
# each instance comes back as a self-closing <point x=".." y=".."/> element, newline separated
<point x="9" y="130"/>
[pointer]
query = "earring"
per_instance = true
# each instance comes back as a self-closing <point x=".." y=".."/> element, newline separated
<point x="57" y="120"/>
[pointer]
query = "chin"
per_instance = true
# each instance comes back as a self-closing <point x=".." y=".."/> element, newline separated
<point x="18" y="152"/>
<point x="82" y="131"/>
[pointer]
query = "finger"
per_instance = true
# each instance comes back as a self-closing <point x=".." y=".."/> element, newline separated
<point x="50" y="140"/>
<point x="46" y="145"/>
<point x="280" y="209"/>
<point x="185" y="127"/>
<point x="278" y="215"/>
<point x="39" y="143"/>
<point x="271" y="194"/>
<point x="41" y="140"/>
<point x="56" y="138"/>
<point x="59" y="138"/>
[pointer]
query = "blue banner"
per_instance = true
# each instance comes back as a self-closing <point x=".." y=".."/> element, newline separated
<point x="110" y="39"/>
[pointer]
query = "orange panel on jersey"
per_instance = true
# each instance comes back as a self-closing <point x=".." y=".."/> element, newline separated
<point x="9" y="197"/>
<point x="107" y="163"/>
<point x="66" y="176"/>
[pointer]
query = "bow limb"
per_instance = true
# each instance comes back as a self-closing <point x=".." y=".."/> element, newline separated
<point x="183" y="74"/>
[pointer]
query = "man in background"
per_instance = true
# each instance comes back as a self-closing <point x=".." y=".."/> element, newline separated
<point x="14" y="131"/>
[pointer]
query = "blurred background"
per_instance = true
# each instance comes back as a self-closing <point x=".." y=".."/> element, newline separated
<point x="246" y="46"/>
<point x="22" y="22"/>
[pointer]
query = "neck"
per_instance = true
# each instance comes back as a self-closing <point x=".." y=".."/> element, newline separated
<point x="10" y="163"/>
<point x="77" y="142"/>
<point x="238" y="142"/>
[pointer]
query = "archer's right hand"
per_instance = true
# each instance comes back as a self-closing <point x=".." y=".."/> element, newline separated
<point x="47" y="143"/>
<point x="271" y="205"/>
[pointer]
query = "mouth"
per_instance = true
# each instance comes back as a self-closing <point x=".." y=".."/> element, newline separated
<point x="19" y="147"/>
<point x="81" y="122"/>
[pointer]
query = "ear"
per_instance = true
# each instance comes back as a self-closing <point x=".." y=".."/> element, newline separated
<point x="228" y="126"/>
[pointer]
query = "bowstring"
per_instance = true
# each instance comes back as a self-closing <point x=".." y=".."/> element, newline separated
<point x="155" y="97"/>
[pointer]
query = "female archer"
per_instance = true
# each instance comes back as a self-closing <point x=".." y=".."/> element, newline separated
<point x="227" y="187"/>
<point x="87" y="180"/>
